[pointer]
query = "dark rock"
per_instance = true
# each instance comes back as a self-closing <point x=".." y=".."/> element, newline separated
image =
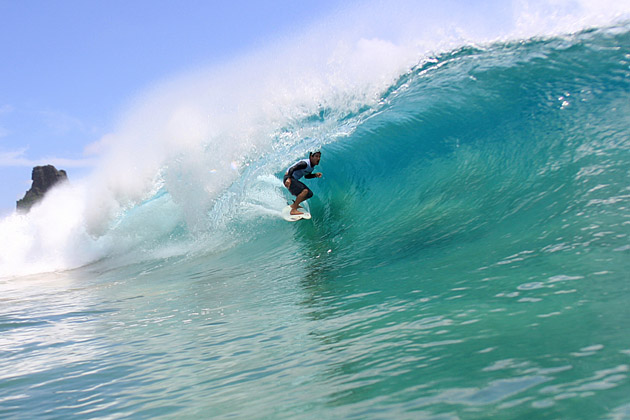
<point x="44" y="177"/>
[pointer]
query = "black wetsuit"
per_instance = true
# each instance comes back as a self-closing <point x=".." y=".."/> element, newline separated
<point x="298" y="170"/>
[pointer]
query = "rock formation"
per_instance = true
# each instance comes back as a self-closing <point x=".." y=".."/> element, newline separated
<point x="44" y="177"/>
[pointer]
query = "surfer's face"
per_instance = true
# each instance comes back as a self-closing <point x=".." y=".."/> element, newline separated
<point x="315" y="159"/>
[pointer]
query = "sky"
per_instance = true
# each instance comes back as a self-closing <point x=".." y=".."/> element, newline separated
<point x="69" y="67"/>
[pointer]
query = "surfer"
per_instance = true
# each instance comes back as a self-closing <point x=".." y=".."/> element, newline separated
<point x="302" y="168"/>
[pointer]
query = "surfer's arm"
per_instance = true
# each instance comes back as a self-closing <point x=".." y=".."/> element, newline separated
<point x="315" y="175"/>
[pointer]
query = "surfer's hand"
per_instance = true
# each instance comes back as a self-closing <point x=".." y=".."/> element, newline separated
<point x="318" y="174"/>
<point x="287" y="183"/>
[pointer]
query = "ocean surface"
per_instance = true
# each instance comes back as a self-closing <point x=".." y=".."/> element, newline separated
<point x="468" y="256"/>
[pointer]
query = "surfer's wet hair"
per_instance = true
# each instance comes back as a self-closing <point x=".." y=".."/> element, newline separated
<point x="316" y="152"/>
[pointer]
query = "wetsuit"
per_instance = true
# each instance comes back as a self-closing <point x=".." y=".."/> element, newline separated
<point x="298" y="170"/>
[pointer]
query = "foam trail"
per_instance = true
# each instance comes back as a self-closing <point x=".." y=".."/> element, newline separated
<point x="182" y="144"/>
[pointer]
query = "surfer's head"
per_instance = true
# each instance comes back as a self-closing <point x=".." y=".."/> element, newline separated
<point x="315" y="157"/>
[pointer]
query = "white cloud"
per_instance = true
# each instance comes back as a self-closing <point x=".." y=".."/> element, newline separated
<point x="13" y="158"/>
<point x="59" y="124"/>
<point x="19" y="158"/>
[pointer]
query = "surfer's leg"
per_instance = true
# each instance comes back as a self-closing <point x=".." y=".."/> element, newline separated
<point x="304" y="195"/>
<point x="301" y="193"/>
<point x="296" y="186"/>
<point x="300" y="197"/>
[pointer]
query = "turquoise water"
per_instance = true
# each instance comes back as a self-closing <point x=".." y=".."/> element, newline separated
<point x="468" y="257"/>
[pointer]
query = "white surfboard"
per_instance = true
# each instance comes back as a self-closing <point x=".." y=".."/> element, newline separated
<point x="286" y="214"/>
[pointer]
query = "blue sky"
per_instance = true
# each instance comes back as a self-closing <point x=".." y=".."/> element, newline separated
<point x="69" y="67"/>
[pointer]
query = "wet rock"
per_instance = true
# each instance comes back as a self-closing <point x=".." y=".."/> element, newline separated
<point x="44" y="178"/>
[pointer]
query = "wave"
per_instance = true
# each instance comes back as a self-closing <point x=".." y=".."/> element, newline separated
<point x="429" y="135"/>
